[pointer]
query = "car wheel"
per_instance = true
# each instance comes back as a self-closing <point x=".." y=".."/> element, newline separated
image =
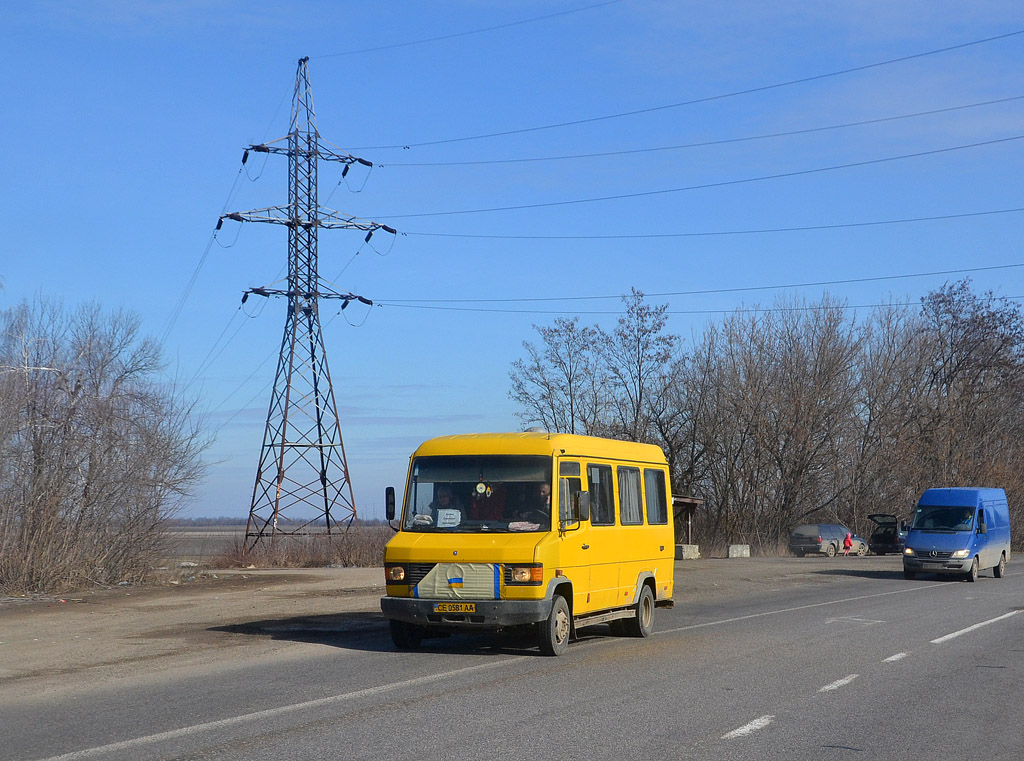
<point x="405" y="636"/>
<point x="862" y="550"/>
<point x="553" y="634"/>
<point x="643" y="624"/>
<point x="1000" y="570"/>
<point x="909" y="575"/>
<point x="798" y="553"/>
<point x="831" y="551"/>
<point x="972" y="575"/>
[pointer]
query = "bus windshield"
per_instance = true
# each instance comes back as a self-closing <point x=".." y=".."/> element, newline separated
<point x="479" y="493"/>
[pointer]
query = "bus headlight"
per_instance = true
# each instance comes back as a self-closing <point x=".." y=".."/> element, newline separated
<point x="525" y="574"/>
<point x="394" y="573"/>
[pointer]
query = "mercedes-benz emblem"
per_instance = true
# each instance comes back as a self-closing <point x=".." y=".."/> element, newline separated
<point x="933" y="553"/>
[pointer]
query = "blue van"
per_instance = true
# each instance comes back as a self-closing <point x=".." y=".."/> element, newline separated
<point x="959" y="531"/>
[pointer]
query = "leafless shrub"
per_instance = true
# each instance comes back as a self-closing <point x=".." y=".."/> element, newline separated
<point x="97" y="453"/>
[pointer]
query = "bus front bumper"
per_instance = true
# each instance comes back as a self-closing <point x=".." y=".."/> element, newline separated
<point x="485" y="614"/>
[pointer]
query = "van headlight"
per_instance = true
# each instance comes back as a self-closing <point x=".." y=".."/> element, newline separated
<point x="394" y="573"/>
<point x="908" y="550"/>
<point x="960" y="554"/>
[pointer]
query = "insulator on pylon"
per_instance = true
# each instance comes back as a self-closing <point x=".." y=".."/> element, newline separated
<point x="344" y="172"/>
<point x="245" y="297"/>
<point x="368" y="236"/>
<point x="387" y="229"/>
<point x="245" y="156"/>
<point x="365" y="301"/>
<point x="220" y="222"/>
<point x="364" y="162"/>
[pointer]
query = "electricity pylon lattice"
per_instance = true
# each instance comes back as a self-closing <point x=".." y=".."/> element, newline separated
<point x="302" y="482"/>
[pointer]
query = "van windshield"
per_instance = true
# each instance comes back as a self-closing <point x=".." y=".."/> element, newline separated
<point x="479" y="494"/>
<point x="943" y="518"/>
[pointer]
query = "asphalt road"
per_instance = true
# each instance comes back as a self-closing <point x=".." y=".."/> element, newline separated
<point x="870" y="666"/>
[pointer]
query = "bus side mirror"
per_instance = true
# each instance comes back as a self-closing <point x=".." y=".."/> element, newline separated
<point x="581" y="505"/>
<point x="389" y="503"/>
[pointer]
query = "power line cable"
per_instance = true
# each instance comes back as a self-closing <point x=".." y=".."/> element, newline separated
<point x="707" y="185"/>
<point x="710" y="291"/>
<point x="706" y="99"/>
<point x="713" y="233"/>
<point x="762" y="310"/>
<point x="703" y="144"/>
<point x="467" y="33"/>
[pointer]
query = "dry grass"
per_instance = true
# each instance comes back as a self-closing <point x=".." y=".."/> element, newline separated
<point x="361" y="547"/>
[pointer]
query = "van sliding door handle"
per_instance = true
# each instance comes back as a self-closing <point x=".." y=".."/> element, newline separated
<point x="586" y="546"/>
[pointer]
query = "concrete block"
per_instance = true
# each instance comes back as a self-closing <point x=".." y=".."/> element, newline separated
<point x="687" y="552"/>
<point x="739" y="550"/>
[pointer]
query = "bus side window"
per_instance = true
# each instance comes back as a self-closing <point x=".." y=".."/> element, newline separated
<point x="602" y="500"/>
<point x="630" y="509"/>
<point x="566" y="488"/>
<point x="654" y="490"/>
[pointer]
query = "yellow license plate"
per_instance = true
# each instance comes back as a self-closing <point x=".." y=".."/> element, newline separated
<point x="455" y="607"/>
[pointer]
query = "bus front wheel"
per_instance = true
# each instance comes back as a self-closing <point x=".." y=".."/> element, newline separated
<point x="553" y="634"/>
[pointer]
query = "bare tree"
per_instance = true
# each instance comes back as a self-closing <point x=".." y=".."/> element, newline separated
<point x="636" y="356"/>
<point x="560" y="385"/>
<point x="98" y="452"/>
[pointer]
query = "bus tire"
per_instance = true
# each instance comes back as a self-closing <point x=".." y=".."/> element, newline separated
<point x="405" y="636"/>
<point x="643" y="624"/>
<point x="553" y="634"/>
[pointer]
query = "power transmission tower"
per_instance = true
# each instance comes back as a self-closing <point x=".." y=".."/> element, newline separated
<point x="302" y="478"/>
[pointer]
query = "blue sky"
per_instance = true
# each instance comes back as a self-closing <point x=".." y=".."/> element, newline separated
<point x="124" y="125"/>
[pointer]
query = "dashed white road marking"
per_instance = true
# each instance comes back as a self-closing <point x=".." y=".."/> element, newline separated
<point x="750" y="728"/>
<point x="969" y="629"/>
<point x="839" y="683"/>
<point x="894" y="658"/>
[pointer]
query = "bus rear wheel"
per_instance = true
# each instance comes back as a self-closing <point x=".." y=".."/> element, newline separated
<point x="643" y="624"/>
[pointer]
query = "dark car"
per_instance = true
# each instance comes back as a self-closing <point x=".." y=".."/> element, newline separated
<point x="824" y="538"/>
<point x="889" y="536"/>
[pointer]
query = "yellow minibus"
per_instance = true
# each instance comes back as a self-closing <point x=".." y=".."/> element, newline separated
<point x="550" y="530"/>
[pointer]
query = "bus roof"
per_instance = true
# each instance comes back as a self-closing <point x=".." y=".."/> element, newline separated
<point x="541" y="443"/>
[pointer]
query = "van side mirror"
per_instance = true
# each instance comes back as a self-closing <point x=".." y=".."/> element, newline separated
<point x="389" y="503"/>
<point x="581" y="505"/>
<point x="982" y="528"/>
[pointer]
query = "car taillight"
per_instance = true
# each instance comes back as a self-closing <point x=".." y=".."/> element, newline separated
<point x="820" y="540"/>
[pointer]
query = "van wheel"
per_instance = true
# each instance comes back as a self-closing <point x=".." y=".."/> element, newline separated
<point x="1000" y="570"/>
<point x="972" y="575"/>
<point x="405" y="636"/>
<point x="831" y="551"/>
<point x="643" y="624"/>
<point x="909" y="575"/>
<point x="553" y="634"/>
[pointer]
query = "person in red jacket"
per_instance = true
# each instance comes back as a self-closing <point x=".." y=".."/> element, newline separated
<point x="847" y="544"/>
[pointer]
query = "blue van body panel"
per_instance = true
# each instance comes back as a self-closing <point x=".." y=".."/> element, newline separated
<point x="948" y="541"/>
